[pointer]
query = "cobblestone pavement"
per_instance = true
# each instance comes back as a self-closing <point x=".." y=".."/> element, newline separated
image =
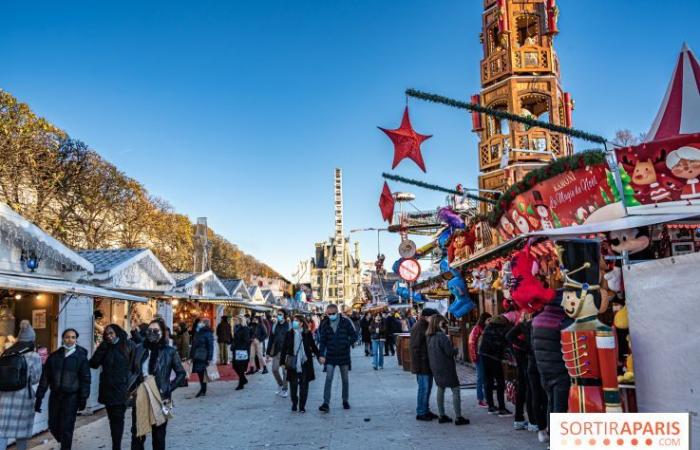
<point x="382" y="417"/>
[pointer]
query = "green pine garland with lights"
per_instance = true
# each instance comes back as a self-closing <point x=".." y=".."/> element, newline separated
<point x="527" y="121"/>
<point x="561" y="165"/>
<point x="434" y="187"/>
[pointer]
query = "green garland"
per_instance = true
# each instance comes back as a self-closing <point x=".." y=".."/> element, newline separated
<point x="434" y="187"/>
<point x="505" y="115"/>
<point x="561" y="165"/>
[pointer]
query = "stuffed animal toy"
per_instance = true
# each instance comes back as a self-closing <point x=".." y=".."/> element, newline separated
<point x="463" y="304"/>
<point x="526" y="290"/>
<point x="628" y="376"/>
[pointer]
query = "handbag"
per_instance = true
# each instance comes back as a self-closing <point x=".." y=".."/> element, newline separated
<point x="290" y="362"/>
<point x="212" y="373"/>
<point x="241" y="355"/>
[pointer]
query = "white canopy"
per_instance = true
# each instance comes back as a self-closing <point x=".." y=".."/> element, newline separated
<point x="621" y="223"/>
<point x="53" y="286"/>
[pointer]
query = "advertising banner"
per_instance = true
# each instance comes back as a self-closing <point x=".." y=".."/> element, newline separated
<point x="566" y="199"/>
<point x="664" y="174"/>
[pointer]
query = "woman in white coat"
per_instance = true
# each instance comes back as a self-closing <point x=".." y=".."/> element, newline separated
<point x="17" y="407"/>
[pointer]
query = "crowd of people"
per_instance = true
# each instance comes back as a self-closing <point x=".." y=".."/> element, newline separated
<point x="137" y="369"/>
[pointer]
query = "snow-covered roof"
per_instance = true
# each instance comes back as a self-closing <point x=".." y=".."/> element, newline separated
<point x="109" y="262"/>
<point x="15" y="228"/>
<point x="186" y="281"/>
<point x="236" y="288"/>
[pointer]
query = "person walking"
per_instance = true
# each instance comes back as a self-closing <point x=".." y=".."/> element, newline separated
<point x="182" y="341"/>
<point x="224" y="336"/>
<point x="202" y="353"/>
<point x="441" y="355"/>
<point x="391" y="326"/>
<point x="377" y="332"/>
<point x="274" y="350"/>
<point x="546" y="344"/>
<point x="420" y="365"/>
<point x="17" y="394"/>
<point x="151" y="386"/>
<point x="355" y="319"/>
<point x="336" y="337"/>
<point x="240" y="350"/>
<point x="492" y="351"/>
<point x="258" y="334"/>
<point x="67" y="373"/>
<point x="113" y="355"/>
<point x="365" y="322"/>
<point x="298" y="351"/>
<point x="519" y="342"/>
<point x="473" y="344"/>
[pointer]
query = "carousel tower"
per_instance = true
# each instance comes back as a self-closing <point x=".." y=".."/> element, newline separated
<point x="519" y="74"/>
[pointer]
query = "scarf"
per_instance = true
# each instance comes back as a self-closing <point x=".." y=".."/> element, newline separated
<point x="301" y="353"/>
<point x="149" y="407"/>
<point x="68" y="351"/>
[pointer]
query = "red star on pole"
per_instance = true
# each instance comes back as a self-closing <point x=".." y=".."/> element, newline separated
<point x="406" y="142"/>
<point x="386" y="203"/>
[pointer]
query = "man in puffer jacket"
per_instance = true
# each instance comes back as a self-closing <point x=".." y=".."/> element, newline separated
<point x="546" y="342"/>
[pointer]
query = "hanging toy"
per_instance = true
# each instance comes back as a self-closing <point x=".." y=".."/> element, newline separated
<point x="463" y="304"/>
<point x="527" y="291"/>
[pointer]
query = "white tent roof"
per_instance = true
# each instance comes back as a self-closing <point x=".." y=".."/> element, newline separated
<point x="680" y="109"/>
<point x="621" y="223"/>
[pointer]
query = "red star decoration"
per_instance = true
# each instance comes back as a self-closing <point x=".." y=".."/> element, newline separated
<point x="386" y="203"/>
<point x="406" y="142"/>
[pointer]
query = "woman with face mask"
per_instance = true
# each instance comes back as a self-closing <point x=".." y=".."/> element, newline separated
<point x="67" y="373"/>
<point x="298" y="352"/>
<point x="441" y="355"/>
<point x="240" y="350"/>
<point x="151" y="388"/>
<point x="114" y="355"/>
<point x="202" y="353"/>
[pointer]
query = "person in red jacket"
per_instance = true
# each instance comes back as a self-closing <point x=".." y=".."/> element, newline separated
<point x="474" y="337"/>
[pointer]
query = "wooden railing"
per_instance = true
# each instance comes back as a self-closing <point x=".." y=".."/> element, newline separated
<point x="526" y="59"/>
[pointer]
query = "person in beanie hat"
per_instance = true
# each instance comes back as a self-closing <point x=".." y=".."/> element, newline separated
<point x="420" y="365"/>
<point x="17" y="407"/>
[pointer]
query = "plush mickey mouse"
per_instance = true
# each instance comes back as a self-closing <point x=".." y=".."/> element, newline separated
<point x="633" y="240"/>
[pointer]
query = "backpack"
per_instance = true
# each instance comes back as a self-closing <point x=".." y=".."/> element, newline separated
<point x="14" y="373"/>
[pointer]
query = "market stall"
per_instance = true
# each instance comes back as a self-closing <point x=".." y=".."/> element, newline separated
<point x="44" y="282"/>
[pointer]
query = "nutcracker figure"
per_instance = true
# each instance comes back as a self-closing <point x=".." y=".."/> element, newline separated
<point x="588" y="346"/>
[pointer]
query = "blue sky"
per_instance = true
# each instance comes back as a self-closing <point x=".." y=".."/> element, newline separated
<point x="240" y="111"/>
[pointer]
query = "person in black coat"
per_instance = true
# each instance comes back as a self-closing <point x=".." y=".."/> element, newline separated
<point x="420" y="365"/>
<point x="366" y="336"/>
<point x="224" y="336"/>
<point x="390" y="325"/>
<point x="202" y="353"/>
<point x="378" y="333"/>
<point x="492" y="351"/>
<point x="114" y="355"/>
<point x="240" y="350"/>
<point x="336" y="336"/>
<point x="67" y="373"/>
<point x="274" y="350"/>
<point x="157" y="359"/>
<point x="299" y="344"/>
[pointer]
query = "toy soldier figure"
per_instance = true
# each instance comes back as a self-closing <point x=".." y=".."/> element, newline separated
<point x="588" y="345"/>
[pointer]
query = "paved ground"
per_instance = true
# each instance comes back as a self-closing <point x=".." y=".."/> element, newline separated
<point x="382" y="417"/>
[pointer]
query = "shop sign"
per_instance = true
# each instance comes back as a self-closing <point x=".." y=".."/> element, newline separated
<point x="566" y="199"/>
<point x="409" y="270"/>
<point x="39" y="319"/>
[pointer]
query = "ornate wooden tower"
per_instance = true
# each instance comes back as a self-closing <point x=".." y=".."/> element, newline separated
<point x="519" y="74"/>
